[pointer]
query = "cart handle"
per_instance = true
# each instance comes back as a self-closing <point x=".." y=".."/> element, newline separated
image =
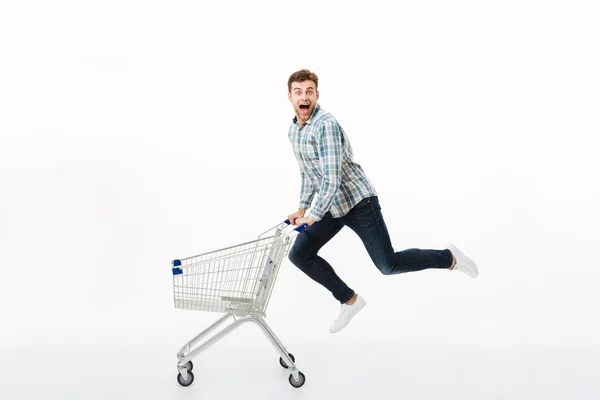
<point x="301" y="228"/>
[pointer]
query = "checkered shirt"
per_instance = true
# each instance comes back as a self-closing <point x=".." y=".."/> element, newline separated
<point x="330" y="179"/>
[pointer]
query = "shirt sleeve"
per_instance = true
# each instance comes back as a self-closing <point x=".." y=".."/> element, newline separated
<point x="307" y="191"/>
<point x="330" y="156"/>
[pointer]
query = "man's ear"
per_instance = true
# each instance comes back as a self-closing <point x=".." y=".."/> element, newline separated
<point x="317" y="95"/>
<point x="290" y="97"/>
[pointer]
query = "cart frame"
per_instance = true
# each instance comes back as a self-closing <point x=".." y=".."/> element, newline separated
<point x="238" y="281"/>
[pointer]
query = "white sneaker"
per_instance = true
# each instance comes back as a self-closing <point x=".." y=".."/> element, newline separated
<point x="346" y="314"/>
<point x="463" y="263"/>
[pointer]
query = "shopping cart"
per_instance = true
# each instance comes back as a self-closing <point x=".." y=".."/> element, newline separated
<point x="237" y="281"/>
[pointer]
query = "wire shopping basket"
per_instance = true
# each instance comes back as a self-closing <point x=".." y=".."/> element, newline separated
<point x="237" y="281"/>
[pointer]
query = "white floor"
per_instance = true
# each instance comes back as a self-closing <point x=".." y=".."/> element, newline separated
<point x="244" y="366"/>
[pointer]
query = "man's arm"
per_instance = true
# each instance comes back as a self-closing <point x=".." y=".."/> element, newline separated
<point x="330" y="155"/>
<point x="307" y="191"/>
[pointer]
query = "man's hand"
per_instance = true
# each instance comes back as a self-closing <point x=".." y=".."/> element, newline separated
<point x="298" y="214"/>
<point x="302" y="221"/>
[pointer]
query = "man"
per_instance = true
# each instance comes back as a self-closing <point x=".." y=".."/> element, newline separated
<point x="342" y="195"/>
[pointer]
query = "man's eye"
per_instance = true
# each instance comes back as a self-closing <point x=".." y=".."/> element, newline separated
<point x="309" y="92"/>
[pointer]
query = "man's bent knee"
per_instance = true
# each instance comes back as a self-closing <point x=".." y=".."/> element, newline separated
<point x="297" y="256"/>
<point x="294" y="256"/>
<point x="384" y="267"/>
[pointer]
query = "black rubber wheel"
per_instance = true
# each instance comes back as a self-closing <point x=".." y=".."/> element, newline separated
<point x="283" y="364"/>
<point x="184" y="382"/>
<point x="189" y="366"/>
<point x="299" y="382"/>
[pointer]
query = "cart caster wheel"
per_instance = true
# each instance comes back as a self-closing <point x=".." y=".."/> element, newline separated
<point x="185" y="382"/>
<point x="283" y="364"/>
<point x="189" y="366"/>
<point x="299" y="382"/>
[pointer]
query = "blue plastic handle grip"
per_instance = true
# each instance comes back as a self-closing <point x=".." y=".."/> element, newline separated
<point x="301" y="228"/>
<point x="176" y="270"/>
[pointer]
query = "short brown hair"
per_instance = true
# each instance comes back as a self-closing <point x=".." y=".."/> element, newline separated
<point x="301" y="76"/>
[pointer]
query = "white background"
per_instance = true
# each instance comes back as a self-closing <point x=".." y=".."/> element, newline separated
<point x="136" y="132"/>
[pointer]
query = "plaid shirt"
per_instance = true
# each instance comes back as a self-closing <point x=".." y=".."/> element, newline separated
<point x="327" y="168"/>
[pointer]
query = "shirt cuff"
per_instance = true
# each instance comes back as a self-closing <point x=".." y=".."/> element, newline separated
<point x="315" y="216"/>
<point x="304" y="204"/>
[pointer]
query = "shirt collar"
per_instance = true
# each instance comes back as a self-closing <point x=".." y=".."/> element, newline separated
<point x="315" y="111"/>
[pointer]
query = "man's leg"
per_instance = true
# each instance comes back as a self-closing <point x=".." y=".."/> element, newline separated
<point x="367" y="221"/>
<point x="304" y="256"/>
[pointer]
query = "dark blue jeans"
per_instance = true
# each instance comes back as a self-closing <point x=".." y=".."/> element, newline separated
<point x="367" y="221"/>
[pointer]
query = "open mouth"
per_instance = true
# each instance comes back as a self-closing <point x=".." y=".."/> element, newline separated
<point x="304" y="107"/>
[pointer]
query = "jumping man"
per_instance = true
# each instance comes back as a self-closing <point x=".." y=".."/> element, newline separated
<point x="337" y="193"/>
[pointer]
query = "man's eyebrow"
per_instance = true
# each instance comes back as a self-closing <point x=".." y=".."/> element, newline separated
<point x="310" y="87"/>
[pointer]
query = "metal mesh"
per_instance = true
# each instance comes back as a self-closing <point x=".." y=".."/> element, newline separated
<point x="238" y="278"/>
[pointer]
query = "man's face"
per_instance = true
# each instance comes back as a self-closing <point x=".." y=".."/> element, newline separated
<point x="303" y="97"/>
